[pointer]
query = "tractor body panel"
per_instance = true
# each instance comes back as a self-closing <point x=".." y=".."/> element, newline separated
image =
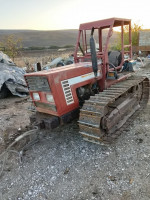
<point x="62" y="82"/>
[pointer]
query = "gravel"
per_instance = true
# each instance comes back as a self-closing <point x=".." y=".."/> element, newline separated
<point x="62" y="166"/>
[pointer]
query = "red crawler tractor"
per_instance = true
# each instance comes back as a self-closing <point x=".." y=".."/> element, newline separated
<point x="95" y="87"/>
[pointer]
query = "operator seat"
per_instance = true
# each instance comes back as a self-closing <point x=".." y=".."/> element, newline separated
<point x="114" y="58"/>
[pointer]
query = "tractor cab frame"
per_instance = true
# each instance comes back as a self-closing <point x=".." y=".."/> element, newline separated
<point x="102" y="49"/>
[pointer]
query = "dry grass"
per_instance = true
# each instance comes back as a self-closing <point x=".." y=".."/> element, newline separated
<point x="33" y="58"/>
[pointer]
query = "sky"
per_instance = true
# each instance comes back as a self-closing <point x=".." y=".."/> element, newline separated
<point x="68" y="14"/>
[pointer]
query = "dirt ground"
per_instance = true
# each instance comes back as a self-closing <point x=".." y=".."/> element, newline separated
<point x="62" y="166"/>
<point x="14" y="116"/>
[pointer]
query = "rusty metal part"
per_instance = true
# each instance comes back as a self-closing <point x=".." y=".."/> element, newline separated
<point x="46" y="121"/>
<point x="103" y="115"/>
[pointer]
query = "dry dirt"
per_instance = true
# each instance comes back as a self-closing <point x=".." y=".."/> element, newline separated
<point x="61" y="166"/>
<point x="14" y="116"/>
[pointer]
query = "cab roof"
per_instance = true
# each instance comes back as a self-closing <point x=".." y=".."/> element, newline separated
<point x="105" y="23"/>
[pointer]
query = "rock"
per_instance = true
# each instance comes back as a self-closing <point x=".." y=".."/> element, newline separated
<point x="29" y="192"/>
<point x="112" y="178"/>
<point x="131" y="180"/>
<point x="66" y="170"/>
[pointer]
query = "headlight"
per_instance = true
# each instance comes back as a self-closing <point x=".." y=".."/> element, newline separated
<point x="36" y="96"/>
<point x="50" y="98"/>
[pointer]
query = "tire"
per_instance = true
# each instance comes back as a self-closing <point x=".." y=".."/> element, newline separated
<point x="60" y="64"/>
<point x="69" y="62"/>
<point x="4" y="92"/>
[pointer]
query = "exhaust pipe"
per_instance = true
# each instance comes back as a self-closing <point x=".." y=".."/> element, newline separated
<point x="93" y="53"/>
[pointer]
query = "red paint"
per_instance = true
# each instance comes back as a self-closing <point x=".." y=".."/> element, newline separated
<point x="56" y="75"/>
<point x="112" y="82"/>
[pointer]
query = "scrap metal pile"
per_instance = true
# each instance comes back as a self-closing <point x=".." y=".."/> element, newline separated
<point x="11" y="78"/>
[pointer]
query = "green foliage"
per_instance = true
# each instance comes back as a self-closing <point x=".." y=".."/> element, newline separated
<point x="117" y="46"/>
<point x="54" y="47"/>
<point x="135" y="28"/>
<point x="43" y="48"/>
<point x="135" y="36"/>
<point x="57" y="47"/>
<point x="36" y="48"/>
<point x="68" y="46"/>
<point x="12" y="45"/>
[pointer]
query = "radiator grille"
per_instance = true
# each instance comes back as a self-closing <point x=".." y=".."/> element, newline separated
<point x="45" y="106"/>
<point x="37" y="83"/>
<point x="67" y="92"/>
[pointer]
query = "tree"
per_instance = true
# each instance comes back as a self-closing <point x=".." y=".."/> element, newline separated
<point x="12" y="45"/>
<point x="135" y="28"/>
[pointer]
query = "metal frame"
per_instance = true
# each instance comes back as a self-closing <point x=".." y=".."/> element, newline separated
<point x="103" y="52"/>
<point x="78" y="74"/>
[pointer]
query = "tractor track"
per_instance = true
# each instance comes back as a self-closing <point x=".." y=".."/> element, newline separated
<point x="94" y="111"/>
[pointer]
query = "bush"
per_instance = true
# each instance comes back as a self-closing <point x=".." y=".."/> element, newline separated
<point x="12" y="46"/>
<point x="135" y="37"/>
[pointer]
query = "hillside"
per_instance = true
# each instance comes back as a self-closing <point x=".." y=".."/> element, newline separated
<point x="45" y="38"/>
